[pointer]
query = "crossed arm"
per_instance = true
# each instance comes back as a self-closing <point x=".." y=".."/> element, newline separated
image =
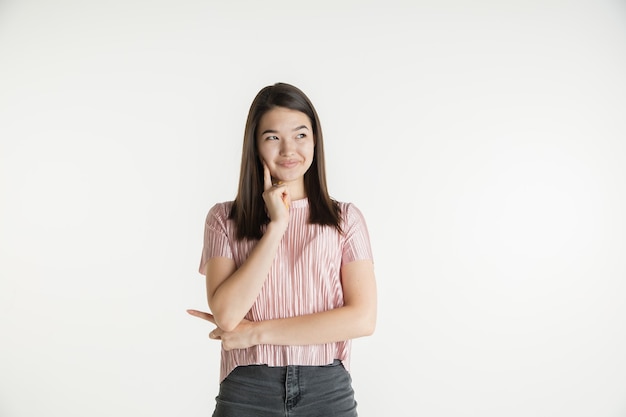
<point x="231" y="300"/>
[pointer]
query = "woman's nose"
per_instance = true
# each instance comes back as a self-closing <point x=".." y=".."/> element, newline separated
<point x="287" y="147"/>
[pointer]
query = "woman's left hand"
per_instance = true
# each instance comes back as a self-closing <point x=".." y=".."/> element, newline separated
<point x="240" y="338"/>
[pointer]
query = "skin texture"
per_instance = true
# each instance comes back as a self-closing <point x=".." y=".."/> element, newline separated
<point x="286" y="146"/>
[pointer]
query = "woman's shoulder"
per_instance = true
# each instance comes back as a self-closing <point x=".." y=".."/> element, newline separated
<point x="346" y="205"/>
<point x="223" y="204"/>
<point x="349" y="210"/>
<point x="220" y="209"/>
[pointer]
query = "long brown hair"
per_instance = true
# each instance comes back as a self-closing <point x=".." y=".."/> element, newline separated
<point x="248" y="210"/>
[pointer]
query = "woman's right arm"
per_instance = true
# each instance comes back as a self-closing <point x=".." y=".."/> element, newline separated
<point x="231" y="291"/>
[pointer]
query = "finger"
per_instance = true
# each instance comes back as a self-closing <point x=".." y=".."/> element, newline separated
<point x="267" y="177"/>
<point x="284" y="195"/>
<point x="286" y="199"/>
<point x="202" y="315"/>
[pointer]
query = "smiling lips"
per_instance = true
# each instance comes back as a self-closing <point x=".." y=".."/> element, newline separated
<point x="288" y="164"/>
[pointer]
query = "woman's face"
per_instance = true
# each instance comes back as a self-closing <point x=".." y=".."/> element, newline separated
<point x="286" y="144"/>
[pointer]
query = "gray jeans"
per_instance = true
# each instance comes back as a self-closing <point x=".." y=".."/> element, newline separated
<point x="287" y="391"/>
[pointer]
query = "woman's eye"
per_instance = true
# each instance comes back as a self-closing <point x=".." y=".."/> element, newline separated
<point x="301" y="136"/>
<point x="272" y="138"/>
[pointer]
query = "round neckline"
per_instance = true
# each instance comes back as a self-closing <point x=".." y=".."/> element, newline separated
<point x="303" y="202"/>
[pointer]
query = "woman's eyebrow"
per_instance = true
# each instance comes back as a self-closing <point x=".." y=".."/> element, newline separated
<point x="269" y="131"/>
<point x="276" y="131"/>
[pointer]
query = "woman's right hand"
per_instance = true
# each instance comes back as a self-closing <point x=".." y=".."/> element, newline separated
<point x="276" y="197"/>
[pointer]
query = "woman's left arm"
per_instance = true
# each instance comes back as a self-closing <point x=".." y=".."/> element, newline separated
<point x="356" y="318"/>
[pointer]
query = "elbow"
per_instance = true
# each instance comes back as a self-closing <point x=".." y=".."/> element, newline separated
<point x="225" y="318"/>
<point x="366" y="325"/>
<point x="227" y="324"/>
<point x="227" y="327"/>
<point x="225" y="321"/>
<point x="369" y="327"/>
<point x="369" y="319"/>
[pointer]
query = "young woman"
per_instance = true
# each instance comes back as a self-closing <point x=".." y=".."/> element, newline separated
<point x="289" y="272"/>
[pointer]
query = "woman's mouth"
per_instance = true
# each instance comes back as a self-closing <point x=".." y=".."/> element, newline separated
<point x="288" y="164"/>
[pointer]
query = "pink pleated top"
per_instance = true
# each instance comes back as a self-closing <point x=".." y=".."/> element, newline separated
<point x="305" y="278"/>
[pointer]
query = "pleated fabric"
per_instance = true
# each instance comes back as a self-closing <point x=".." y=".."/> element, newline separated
<point x="305" y="278"/>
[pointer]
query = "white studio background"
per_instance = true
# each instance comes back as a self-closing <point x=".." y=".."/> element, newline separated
<point x="484" y="141"/>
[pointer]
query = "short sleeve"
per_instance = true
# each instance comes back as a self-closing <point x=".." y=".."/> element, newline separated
<point x="357" y="242"/>
<point x="216" y="236"/>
